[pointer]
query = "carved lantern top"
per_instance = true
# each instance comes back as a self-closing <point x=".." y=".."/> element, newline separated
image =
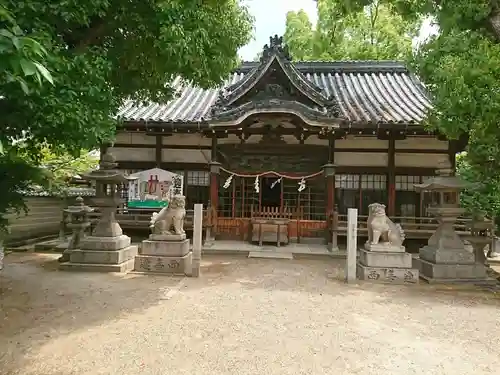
<point x="444" y="181"/>
<point x="107" y="172"/>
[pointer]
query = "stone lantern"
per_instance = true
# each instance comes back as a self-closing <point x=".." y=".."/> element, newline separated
<point x="78" y="222"/>
<point x="107" y="249"/>
<point x="445" y="258"/>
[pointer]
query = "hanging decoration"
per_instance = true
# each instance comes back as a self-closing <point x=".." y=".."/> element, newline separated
<point x="272" y="173"/>
<point x="278" y="181"/>
<point x="228" y="181"/>
<point x="301" y="179"/>
<point x="302" y="185"/>
<point x="256" y="184"/>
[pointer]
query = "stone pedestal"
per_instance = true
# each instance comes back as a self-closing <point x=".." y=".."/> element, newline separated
<point x="168" y="254"/>
<point x="383" y="262"/>
<point x="450" y="265"/>
<point x="102" y="254"/>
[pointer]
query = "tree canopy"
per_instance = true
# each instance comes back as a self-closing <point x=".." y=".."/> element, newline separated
<point x="461" y="69"/>
<point x="371" y="32"/>
<point x="97" y="54"/>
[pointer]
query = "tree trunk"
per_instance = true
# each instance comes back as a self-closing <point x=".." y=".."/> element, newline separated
<point x="494" y="21"/>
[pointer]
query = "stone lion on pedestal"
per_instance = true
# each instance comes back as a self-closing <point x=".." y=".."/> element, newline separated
<point x="381" y="228"/>
<point x="170" y="220"/>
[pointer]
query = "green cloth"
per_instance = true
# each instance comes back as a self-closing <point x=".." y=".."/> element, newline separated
<point x="147" y="204"/>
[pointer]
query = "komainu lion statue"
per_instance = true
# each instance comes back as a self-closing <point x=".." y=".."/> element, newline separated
<point x="170" y="220"/>
<point x="381" y="228"/>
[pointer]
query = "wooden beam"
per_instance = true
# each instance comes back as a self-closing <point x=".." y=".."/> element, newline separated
<point x="163" y="146"/>
<point x="391" y="177"/>
<point x="164" y="165"/>
<point x="158" y="151"/>
<point x="213" y="149"/>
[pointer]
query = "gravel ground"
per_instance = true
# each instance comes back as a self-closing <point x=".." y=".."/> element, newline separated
<point x="243" y="316"/>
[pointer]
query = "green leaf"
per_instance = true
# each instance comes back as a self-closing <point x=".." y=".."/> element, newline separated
<point x="29" y="68"/>
<point x="44" y="72"/>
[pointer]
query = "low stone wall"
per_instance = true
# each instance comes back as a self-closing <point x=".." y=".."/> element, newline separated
<point x="42" y="219"/>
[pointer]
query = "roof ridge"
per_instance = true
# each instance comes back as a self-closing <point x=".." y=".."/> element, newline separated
<point x="393" y="66"/>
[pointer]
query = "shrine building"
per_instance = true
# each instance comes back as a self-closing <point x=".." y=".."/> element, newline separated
<point x="295" y="138"/>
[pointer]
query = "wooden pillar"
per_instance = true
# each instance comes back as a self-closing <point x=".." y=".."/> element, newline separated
<point x="214" y="182"/>
<point x="329" y="172"/>
<point x="391" y="177"/>
<point x="158" y="148"/>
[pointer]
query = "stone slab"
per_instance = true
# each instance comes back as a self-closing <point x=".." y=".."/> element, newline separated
<point x="165" y="248"/>
<point x="270" y="255"/>
<point x="167" y="237"/>
<point x="446" y="256"/>
<point x="165" y="265"/>
<point x="388" y="274"/>
<point x="384" y="248"/>
<point x="451" y="272"/>
<point x="103" y="256"/>
<point x="384" y="259"/>
<point x="105" y="243"/>
<point x="88" y="267"/>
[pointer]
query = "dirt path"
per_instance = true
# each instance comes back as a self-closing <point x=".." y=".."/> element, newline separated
<point x="242" y="317"/>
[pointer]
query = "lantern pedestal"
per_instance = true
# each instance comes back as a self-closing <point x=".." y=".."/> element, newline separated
<point x="107" y="249"/>
<point x="445" y="258"/>
<point x="103" y="254"/>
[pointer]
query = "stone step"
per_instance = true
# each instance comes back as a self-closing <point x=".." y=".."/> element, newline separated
<point x="270" y="255"/>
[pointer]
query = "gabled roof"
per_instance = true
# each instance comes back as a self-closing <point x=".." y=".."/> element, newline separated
<point x="262" y="91"/>
<point x="366" y="92"/>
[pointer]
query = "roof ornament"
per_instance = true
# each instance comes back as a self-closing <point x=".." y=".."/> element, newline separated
<point x="275" y="46"/>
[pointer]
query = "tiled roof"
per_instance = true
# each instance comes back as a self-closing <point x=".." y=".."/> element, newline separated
<point x="366" y="92"/>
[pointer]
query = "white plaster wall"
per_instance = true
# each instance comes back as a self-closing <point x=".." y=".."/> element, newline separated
<point x="361" y="142"/>
<point x="422" y="160"/>
<point x="187" y="140"/>
<point x="185" y="156"/>
<point x="421" y="143"/>
<point x="134" y="138"/>
<point x="133" y="154"/>
<point x="361" y="159"/>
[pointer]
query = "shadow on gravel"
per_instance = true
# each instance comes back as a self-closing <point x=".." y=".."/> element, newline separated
<point x="39" y="303"/>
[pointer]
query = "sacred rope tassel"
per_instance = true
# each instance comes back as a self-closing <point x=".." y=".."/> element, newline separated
<point x="276" y="182"/>
<point x="256" y="184"/>
<point x="228" y="182"/>
<point x="302" y="185"/>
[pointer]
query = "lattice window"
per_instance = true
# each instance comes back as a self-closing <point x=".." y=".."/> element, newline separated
<point x="406" y="183"/>
<point x="347" y="181"/>
<point x="197" y="188"/>
<point x="198" y="178"/>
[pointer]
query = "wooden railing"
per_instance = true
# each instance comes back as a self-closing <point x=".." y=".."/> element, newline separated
<point x="414" y="227"/>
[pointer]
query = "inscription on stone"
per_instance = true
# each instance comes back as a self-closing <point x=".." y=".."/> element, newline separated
<point x="408" y="276"/>
<point x="373" y="275"/>
<point x="145" y="264"/>
<point x="390" y="275"/>
<point x="159" y="264"/>
<point x="173" y="264"/>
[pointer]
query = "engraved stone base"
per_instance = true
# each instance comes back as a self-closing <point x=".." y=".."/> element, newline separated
<point x="384" y="248"/>
<point x="167" y="237"/>
<point x="101" y="260"/>
<point x="385" y="259"/>
<point x="451" y="273"/>
<point x="166" y="265"/>
<point x="165" y="248"/>
<point x="126" y="266"/>
<point x="387" y="274"/>
<point x="105" y="243"/>
<point x="103" y="256"/>
<point x="446" y="256"/>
